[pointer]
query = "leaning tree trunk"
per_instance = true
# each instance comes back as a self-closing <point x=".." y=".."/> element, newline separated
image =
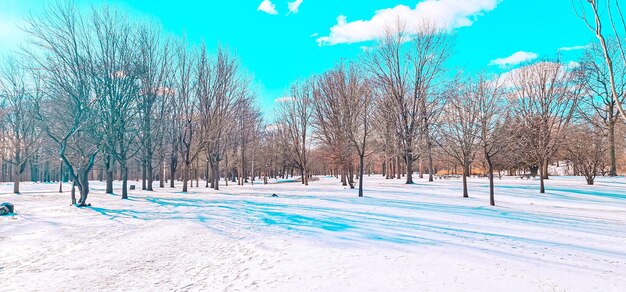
<point x="83" y="187"/>
<point x="73" y="192"/>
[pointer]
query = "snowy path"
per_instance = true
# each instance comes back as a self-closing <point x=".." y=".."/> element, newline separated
<point x="421" y="237"/>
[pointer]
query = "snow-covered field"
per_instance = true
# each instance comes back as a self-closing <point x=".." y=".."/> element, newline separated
<point x="422" y="237"/>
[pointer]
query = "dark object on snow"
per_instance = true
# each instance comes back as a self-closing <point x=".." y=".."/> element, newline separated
<point x="132" y="187"/>
<point x="6" y="208"/>
<point x="274" y="196"/>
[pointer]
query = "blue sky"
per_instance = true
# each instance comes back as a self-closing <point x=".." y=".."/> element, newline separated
<point x="279" y="46"/>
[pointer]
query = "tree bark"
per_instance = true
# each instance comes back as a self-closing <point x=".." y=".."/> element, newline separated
<point x="83" y="186"/>
<point x="185" y="176"/>
<point x="173" y="163"/>
<point x="542" y="189"/>
<point x="409" y="167"/>
<point x="150" y="175"/>
<point x="124" y="181"/>
<point x="109" y="172"/>
<point x="143" y="176"/>
<point x="361" y="166"/>
<point x="73" y="192"/>
<point x="492" y="200"/>
<point x="465" y="175"/>
<point x="16" y="181"/>
<point x="431" y="168"/>
<point x="613" y="170"/>
<point x="162" y="174"/>
<point x="216" y="176"/>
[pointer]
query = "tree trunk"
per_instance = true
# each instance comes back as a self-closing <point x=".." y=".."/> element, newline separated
<point x="83" y="187"/>
<point x="542" y="188"/>
<point x="143" y="176"/>
<point x="150" y="175"/>
<point x="465" y="175"/>
<point x="361" y="166"/>
<point x="162" y="174"/>
<point x="108" y="164"/>
<point x="16" y="181"/>
<point x="492" y="200"/>
<point x="124" y="170"/>
<point x="421" y="168"/>
<point x="613" y="170"/>
<point x="409" y="167"/>
<point x="185" y="176"/>
<point x="173" y="165"/>
<point x="73" y="192"/>
<point x="206" y="174"/>
<point x="305" y="178"/>
<point x="431" y="168"/>
<point x="216" y="176"/>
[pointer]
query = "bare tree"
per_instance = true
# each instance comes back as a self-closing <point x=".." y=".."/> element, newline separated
<point x="221" y="85"/>
<point x="66" y="105"/>
<point x="185" y="122"/>
<point x="153" y="66"/>
<point x="17" y="99"/>
<point x="492" y="118"/>
<point x="460" y="127"/>
<point x="586" y="149"/>
<point x="115" y="84"/>
<point x="617" y="27"/>
<point x="408" y="67"/>
<point x="295" y="121"/>
<point x="599" y="101"/>
<point x="343" y="113"/>
<point x="545" y="97"/>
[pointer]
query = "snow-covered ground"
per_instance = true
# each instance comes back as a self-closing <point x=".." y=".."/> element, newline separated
<point x="421" y="237"/>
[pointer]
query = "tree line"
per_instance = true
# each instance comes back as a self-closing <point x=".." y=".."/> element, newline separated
<point x="98" y="96"/>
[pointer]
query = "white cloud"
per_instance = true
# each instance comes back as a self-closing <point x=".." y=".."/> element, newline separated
<point x="516" y="58"/>
<point x="294" y="6"/>
<point x="314" y="35"/>
<point x="268" y="7"/>
<point x="574" y="48"/>
<point x="446" y="14"/>
<point x="283" y="99"/>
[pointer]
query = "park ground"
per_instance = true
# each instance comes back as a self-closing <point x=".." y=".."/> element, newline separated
<point x="321" y="237"/>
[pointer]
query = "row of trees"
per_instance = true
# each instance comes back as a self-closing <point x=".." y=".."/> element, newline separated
<point x="119" y="98"/>
<point x="103" y="88"/>
<point x="399" y="103"/>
